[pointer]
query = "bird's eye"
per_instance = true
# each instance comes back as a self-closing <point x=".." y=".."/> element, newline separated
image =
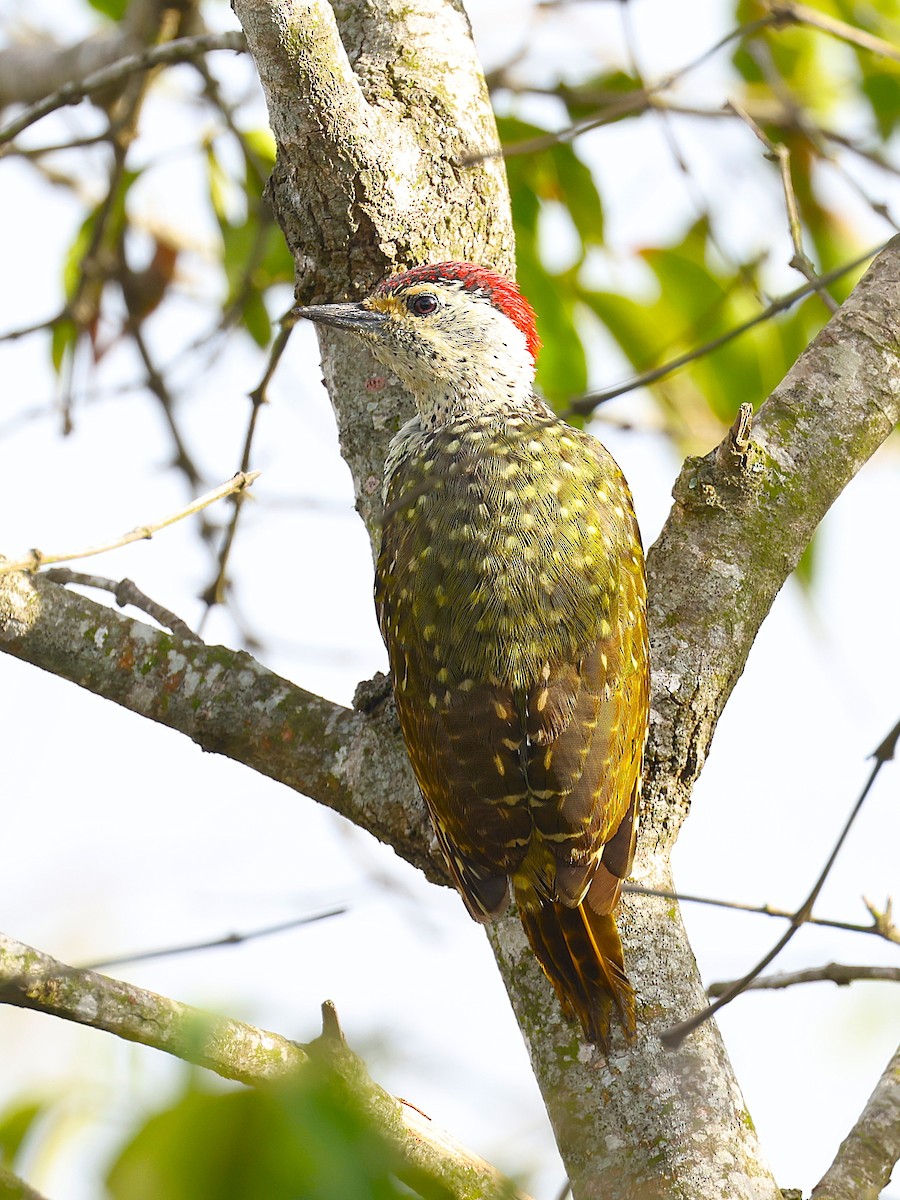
<point x="424" y="304"/>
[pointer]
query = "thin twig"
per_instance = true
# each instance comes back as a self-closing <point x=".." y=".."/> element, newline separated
<point x="882" y="925"/>
<point x="801" y="15"/>
<point x="229" y="939"/>
<point x="840" y="973"/>
<point x="778" y="153"/>
<point x="157" y="385"/>
<point x="125" y="592"/>
<point x="35" y="559"/>
<point x="623" y="106"/>
<point x="674" y="1036"/>
<point x="177" y="51"/>
<point x="13" y="335"/>
<point x="587" y="403"/>
<point x="215" y="593"/>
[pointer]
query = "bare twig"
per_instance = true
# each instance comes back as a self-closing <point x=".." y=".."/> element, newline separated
<point x="180" y="50"/>
<point x="840" y="973"/>
<point x="882" y="924"/>
<point x="799" y="14"/>
<point x="591" y="400"/>
<point x="623" y="106"/>
<point x="158" y="386"/>
<point x="229" y="939"/>
<point x="867" y="1155"/>
<point x="13" y="335"/>
<point x="778" y="153"/>
<point x="674" y="1036"/>
<point x="35" y="559"/>
<point x="215" y="593"/>
<point x="125" y="592"/>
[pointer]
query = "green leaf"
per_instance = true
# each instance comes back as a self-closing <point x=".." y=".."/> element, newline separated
<point x="586" y="99"/>
<point x="579" y="194"/>
<point x="62" y="340"/>
<point x="555" y="174"/>
<point x="115" y="224"/>
<point x="255" y="318"/>
<point x="15" y="1125"/>
<point x="218" y="183"/>
<point x="276" y="262"/>
<point x="881" y="87"/>
<point x="114" y="9"/>
<point x="561" y="364"/>
<point x="262" y="143"/>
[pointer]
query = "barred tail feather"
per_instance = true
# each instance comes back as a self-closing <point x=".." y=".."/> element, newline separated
<point x="581" y="954"/>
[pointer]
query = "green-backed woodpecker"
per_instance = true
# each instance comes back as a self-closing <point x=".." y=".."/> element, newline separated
<point x="511" y="595"/>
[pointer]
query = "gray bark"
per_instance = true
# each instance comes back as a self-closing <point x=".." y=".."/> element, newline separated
<point x="868" y="1154"/>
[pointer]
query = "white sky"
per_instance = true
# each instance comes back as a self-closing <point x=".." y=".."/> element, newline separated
<point x="119" y="835"/>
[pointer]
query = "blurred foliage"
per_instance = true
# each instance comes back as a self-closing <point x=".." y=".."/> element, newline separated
<point x="819" y="96"/>
<point x="255" y="256"/>
<point x="114" y="9"/>
<point x="696" y="302"/>
<point x="16" y="1123"/>
<point x="806" y="79"/>
<point x="536" y="181"/>
<point x="305" y="1138"/>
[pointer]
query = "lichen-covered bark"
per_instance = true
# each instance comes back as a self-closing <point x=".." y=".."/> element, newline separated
<point x="862" y="1167"/>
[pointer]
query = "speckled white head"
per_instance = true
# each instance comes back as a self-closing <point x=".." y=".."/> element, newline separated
<point x="459" y="336"/>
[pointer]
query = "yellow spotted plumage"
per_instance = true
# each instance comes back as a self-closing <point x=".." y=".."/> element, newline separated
<point x="511" y="595"/>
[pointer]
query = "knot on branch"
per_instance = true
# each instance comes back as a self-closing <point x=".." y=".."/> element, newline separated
<point x="372" y="694"/>
<point x="727" y="476"/>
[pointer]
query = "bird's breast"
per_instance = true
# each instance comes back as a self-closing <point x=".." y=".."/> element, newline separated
<point x="502" y="546"/>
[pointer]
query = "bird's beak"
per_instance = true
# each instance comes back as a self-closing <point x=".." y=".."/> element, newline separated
<point x="354" y="317"/>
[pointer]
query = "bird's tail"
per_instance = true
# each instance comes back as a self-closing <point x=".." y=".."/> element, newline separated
<point x="581" y="953"/>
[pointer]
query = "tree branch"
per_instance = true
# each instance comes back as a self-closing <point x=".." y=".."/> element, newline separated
<point x="742" y="518"/>
<point x="839" y="973"/>
<point x="228" y="703"/>
<point x="76" y="90"/>
<point x="234" y="1050"/>
<point x="868" y="1154"/>
<point x="30" y="71"/>
<point x="35" y="559"/>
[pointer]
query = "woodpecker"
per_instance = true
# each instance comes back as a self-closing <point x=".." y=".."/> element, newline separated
<point x="511" y="594"/>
